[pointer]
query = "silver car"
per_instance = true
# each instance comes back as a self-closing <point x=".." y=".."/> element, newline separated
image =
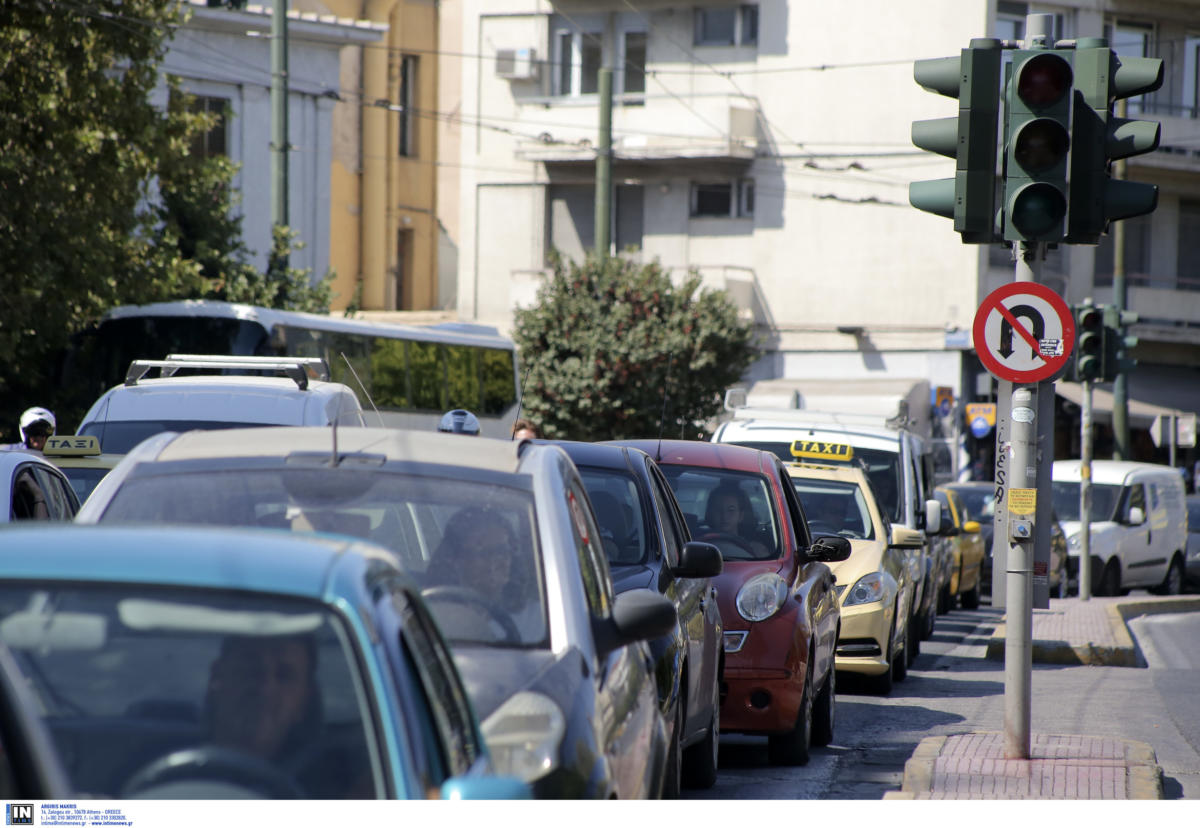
<point x="501" y="538"/>
<point x="1192" y="569"/>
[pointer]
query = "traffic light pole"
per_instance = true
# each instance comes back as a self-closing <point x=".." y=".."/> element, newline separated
<point x="1085" y="493"/>
<point x="1120" y="410"/>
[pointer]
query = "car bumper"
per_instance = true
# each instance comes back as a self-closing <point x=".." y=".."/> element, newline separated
<point x="863" y="642"/>
<point x="764" y="679"/>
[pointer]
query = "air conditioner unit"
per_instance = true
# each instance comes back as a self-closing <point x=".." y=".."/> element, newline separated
<point x="516" y="64"/>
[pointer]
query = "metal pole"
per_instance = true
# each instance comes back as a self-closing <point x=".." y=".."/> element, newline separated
<point x="1121" y="447"/>
<point x="1085" y="494"/>
<point x="604" y="166"/>
<point x="1018" y="642"/>
<point x="279" y="114"/>
<point x="1174" y="426"/>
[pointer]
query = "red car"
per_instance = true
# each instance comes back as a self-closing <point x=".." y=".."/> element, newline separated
<point x="778" y="603"/>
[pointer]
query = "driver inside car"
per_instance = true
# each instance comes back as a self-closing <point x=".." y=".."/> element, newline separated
<point x="727" y="514"/>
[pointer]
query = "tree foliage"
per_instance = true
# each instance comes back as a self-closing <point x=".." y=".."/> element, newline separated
<point x="610" y="344"/>
<point x="101" y="201"/>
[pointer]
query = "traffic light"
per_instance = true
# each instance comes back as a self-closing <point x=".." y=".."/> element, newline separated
<point x="1037" y="145"/>
<point x="1102" y="77"/>
<point x="1117" y="345"/>
<point x="970" y="138"/>
<point x="1089" y="342"/>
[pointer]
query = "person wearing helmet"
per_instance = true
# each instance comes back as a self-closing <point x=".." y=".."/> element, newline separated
<point x="459" y="421"/>
<point x="37" y="424"/>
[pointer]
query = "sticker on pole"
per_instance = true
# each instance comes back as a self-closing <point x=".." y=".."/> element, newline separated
<point x="1024" y="332"/>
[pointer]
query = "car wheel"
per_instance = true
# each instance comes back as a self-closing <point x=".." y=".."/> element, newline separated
<point x="1110" y="580"/>
<point x="673" y="770"/>
<point x="824" y="711"/>
<point x="970" y="598"/>
<point x="882" y="683"/>
<point x="700" y="760"/>
<point x="900" y="663"/>
<point x="792" y="746"/>
<point x="1173" y="581"/>
<point x="912" y="638"/>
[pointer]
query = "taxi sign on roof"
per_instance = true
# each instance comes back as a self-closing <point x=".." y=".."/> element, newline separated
<point x="821" y="450"/>
<point x="71" y="445"/>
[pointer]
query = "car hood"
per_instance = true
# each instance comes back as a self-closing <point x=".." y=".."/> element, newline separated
<point x="629" y="577"/>
<point x="1102" y="531"/>
<point x="865" y="556"/>
<point x="492" y="674"/>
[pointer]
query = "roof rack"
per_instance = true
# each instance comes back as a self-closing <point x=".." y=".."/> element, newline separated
<point x="299" y="369"/>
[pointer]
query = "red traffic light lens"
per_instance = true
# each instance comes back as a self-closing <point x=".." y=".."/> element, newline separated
<point x="1043" y="80"/>
<point x="1040" y="144"/>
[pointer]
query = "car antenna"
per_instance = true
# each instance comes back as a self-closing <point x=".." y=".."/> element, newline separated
<point x="521" y="398"/>
<point x="663" y="418"/>
<point x="362" y="387"/>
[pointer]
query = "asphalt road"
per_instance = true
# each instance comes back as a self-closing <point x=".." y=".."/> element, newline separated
<point x="952" y="688"/>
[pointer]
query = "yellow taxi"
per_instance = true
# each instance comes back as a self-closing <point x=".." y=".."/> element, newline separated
<point x="81" y="460"/>
<point x="873" y="584"/>
<point x="967" y="550"/>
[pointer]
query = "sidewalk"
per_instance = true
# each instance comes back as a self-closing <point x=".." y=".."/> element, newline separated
<point x="1071" y="632"/>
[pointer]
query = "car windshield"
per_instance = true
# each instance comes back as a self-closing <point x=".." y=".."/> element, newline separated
<point x="980" y="502"/>
<point x="618" y="509"/>
<point x="1065" y="494"/>
<point x="470" y="544"/>
<point x="119" y="436"/>
<point x="882" y="467"/>
<point x="165" y="693"/>
<point x="83" y="479"/>
<point x="834" y="507"/>
<point x="732" y="510"/>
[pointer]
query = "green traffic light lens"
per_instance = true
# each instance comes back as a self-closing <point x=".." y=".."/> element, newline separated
<point x="1043" y="80"/>
<point x="1040" y="145"/>
<point x="1037" y="209"/>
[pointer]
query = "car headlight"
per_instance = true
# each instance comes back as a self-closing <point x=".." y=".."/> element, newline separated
<point x="866" y="590"/>
<point x="523" y="736"/>
<point x="761" y="596"/>
<point x="1073" y="543"/>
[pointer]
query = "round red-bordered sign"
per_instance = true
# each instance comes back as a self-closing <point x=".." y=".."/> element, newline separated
<point x="1024" y="332"/>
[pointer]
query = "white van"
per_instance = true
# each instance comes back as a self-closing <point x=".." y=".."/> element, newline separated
<point x="898" y="464"/>
<point x="1139" y="524"/>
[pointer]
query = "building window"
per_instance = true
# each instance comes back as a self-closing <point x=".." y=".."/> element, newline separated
<point x="633" y="64"/>
<point x="726" y="26"/>
<point x="1137" y="253"/>
<point x="212" y="142"/>
<point x="408" y="106"/>
<point x="1191" y="77"/>
<point x="724" y="199"/>
<point x="1189" y="246"/>
<point x="579" y="59"/>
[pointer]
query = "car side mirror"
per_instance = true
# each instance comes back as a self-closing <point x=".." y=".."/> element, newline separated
<point x="905" y="538"/>
<point x="971" y="527"/>
<point x="698" y="559"/>
<point x="829" y="549"/>
<point x="637" y="615"/>
<point x="933" y="517"/>
<point x="485" y="787"/>
<point x="1136" y="516"/>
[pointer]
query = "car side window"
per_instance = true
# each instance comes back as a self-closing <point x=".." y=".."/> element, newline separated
<point x="795" y="510"/>
<point x="593" y="565"/>
<point x="1153" y="496"/>
<point x="1136" y="498"/>
<point x="675" y="535"/>
<point x="60" y="497"/>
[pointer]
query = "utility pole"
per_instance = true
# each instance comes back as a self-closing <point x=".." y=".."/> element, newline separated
<point x="279" y="114"/>
<point x="604" y="155"/>
<point x="1120" y="412"/>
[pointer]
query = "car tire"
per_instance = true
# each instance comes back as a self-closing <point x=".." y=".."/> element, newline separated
<point x="900" y="664"/>
<point x="824" y="711"/>
<point x="1173" y="581"/>
<point x="700" y="760"/>
<point x="791" y="748"/>
<point x="673" y="771"/>
<point x="1109" y="583"/>
<point x="882" y="684"/>
<point x="970" y="598"/>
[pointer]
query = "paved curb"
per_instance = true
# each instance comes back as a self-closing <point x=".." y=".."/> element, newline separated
<point x="1121" y="653"/>
<point x="1061" y="767"/>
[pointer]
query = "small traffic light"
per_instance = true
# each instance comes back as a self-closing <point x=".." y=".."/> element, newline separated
<point x="1117" y="344"/>
<point x="1089" y="342"/>
<point x="1037" y="145"/>
<point x="970" y="138"/>
<point x="1102" y="77"/>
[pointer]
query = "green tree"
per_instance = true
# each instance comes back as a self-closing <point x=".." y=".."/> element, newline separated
<point x="609" y="341"/>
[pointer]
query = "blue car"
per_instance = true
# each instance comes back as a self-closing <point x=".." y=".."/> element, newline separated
<point x="227" y="664"/>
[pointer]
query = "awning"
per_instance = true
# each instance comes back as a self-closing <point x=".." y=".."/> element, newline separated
<point x="1141" y="414"/>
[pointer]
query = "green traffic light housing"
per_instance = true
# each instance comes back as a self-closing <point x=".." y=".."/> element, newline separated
<point x="970" y="138"/>
<point x="1117" y="344"/>
<point x="1089" y="343"/>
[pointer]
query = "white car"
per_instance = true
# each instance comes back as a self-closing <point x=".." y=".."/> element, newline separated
<point x="1139" y="524"/>
<point x="127" y="414"/>
<point x="33" y="488"/>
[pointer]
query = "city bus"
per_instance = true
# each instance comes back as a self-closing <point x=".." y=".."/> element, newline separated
<point x="410" y="373"/>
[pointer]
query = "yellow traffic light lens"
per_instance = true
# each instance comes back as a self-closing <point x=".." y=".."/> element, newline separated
<point x="1043" y="80"/>
<point x="1040" y="145"/>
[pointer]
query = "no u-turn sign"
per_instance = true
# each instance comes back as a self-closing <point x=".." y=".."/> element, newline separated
<point x="1024" y="332"/>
